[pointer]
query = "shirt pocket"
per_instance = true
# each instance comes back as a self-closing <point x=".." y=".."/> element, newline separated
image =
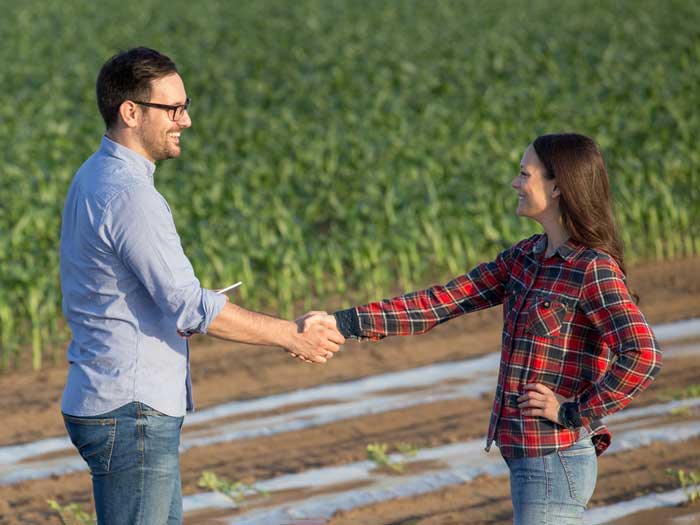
<point x="545" y="317"/>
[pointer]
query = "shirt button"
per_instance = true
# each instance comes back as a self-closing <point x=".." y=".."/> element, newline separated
<point x="546" y="304"/>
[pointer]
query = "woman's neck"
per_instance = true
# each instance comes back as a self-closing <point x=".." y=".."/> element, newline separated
<point x="556" y="236"/>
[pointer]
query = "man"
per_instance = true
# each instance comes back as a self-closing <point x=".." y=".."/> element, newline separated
<point x="131" y="298"/>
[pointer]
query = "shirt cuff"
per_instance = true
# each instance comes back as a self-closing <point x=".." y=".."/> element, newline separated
<point x="213" y="303"/>
<point x="348" y="322"/>
<point x="569" y="415"/>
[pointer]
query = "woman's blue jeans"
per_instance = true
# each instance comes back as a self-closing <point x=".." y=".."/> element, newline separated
<point x="133" y="457"/>
<point x="553" y="489"/>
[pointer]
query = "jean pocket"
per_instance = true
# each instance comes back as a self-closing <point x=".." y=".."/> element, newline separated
<point x="545" y="317"/>
<point x="94" y="438"/>
<point x="147" y="410"/>
<point x="580" y="465"/>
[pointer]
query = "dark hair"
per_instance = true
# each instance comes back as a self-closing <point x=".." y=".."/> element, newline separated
<point x="127" y="76"/>
<point x="577" y="164"/>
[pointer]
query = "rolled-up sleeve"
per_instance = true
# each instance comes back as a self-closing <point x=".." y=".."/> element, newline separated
<point x="140" y="228"/>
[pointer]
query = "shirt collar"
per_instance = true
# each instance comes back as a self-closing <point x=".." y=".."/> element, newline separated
<point x="567" y="251"/>
<point x="141" y="164"/>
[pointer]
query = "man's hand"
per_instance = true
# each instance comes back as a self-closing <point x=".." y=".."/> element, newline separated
<point x="317" y="338"/>
<point x="312" y="338"/>
<point x="539" y="400"/>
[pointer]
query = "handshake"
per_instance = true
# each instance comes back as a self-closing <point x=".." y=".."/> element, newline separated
<point x="316" y="338"/>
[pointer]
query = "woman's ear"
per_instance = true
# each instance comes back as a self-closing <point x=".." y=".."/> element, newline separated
<point x="555" y="192"/>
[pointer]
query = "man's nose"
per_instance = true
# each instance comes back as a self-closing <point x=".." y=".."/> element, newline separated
<point x="185" y="121"/>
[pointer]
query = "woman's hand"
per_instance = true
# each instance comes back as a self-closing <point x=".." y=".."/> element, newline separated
<point x="320" y="322"/>
<point x="539" y="400"/>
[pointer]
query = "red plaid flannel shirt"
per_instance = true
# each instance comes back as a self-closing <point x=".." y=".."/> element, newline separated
<point x="568" y="323"/>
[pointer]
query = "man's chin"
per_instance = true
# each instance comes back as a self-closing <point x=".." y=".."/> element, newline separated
<point x="170" y="153"/>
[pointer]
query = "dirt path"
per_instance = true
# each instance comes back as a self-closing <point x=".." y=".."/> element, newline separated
<point x="225" y="372"/>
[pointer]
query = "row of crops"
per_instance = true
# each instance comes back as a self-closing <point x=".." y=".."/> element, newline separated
<point x="345" y="150"/>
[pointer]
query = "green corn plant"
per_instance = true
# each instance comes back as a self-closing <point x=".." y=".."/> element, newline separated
<point x="681" y="411"/>
<point x="378" y="453"/>
<point x="687" y="392"/>
<point x="384" y="178"/>
<point x="33" y="306"/>
<point x="689" y="482"/>
<point x="72" y="514"/>
<point x="7" y="341"/>
<point x="236" y="491"/>
<point x="407" y="449"/>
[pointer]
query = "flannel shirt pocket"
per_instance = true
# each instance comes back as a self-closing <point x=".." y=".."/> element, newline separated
<point x="545" y="317"/>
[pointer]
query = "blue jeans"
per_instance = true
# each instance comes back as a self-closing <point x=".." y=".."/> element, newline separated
<point x="553" y="489"/>
<point x="133" y="457"/>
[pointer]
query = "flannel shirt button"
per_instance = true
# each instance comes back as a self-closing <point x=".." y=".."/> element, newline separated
<point x="546" y="304"/>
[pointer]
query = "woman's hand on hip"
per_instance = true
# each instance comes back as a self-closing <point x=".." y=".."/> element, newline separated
<point x="539" y="400"/>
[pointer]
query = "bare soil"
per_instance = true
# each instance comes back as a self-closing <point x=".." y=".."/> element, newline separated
<point x="225" y="371"/>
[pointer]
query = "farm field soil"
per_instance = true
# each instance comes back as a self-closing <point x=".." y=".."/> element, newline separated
<point x="486" y="501"/>
<point x="224" y="372"/>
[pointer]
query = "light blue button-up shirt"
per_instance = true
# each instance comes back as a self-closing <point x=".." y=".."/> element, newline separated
<point x="128" y="289"/>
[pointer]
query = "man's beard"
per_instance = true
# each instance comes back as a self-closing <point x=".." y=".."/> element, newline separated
<point x="158" y="149"/>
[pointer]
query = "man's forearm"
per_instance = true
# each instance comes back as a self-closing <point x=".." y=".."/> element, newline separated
<point x="309" y="341"/>
<point x="238" y="324"/>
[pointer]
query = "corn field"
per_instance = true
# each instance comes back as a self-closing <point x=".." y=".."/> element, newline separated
<point x="345" y="150"/>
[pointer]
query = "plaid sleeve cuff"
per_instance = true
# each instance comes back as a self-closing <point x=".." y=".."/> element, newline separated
<point x="348" y="322"/>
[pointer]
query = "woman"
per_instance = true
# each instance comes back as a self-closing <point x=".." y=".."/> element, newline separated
<point x="575" y="345"/>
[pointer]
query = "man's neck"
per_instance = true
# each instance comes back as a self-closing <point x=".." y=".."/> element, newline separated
<point x="128" y="141"/>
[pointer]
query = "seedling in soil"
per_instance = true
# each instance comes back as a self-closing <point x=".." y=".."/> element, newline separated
<point x="236" y="491"/>
<point x="377" y="452"/>
<point x="407" y="449"/>
<point x="681" y="393"/>
<point x="689" y="482"/>
<point x="72" y="514"/>
<point x="681" y="411"/>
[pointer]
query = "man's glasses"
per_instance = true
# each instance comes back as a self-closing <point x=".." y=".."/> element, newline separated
<point x="174" y="112"/>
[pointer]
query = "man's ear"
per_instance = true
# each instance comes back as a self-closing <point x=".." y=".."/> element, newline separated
<point x="130" y="114"/>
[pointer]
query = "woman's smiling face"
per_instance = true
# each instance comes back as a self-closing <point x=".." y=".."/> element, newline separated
<point x="537" y="195"/>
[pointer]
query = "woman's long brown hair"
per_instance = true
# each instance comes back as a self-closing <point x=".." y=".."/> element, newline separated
<point x="577" y="165"/>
